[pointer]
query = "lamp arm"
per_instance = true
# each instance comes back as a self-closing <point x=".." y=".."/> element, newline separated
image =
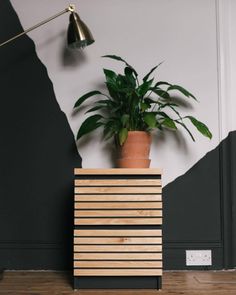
<point x="70" y="8"/>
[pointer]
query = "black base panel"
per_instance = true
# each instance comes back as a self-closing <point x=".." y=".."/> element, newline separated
<point x="117" y="282"/>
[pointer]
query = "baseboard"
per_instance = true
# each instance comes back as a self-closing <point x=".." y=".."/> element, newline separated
<point x="53" y="256"/>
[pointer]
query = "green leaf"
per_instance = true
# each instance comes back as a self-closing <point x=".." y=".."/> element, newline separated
<point x="103" y="101"/>
<point x="133" y="105"/>
<point x="182" y="90"/>
<point x="86" y="96"/>
<point x="110" y="76"/>
<point x="128" y="71"/>
<point x="144" y="106"/>
<point x="113" y="91"/>
<point x="90" y="124"/>
<point x="168" y="104"/>
<point x="113" y="124"/>
<point x="163" y="114"/>
<point x="168" y="122"/>
<point x="161" y="93"/>
<point x="149" y="100"/>
<point x="129" y="76"/>
<point x="110" y="129"/>
<point x="172" y="106"/>
<point x="144" y="88"/>
<point x="150" y="119"/>
<point x="125" y="85"/>
<point x="201" y="127"/>
<point x="121" y="83"/>
<point x="151" y="71"/>
<point x="186" y="128"/>
<point x="115" y="57"/>
<point x="123" y="134"/>
<point x="94" y="109"/>
<point x="162" y="83"/>
<point x="124" y="120"/>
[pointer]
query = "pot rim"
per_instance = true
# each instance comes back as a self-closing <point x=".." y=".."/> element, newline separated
<point x="139" y="131"/>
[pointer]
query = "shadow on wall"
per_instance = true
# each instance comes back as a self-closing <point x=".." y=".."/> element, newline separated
<point x="37" y="155"/>
<point x="72" y="58"/>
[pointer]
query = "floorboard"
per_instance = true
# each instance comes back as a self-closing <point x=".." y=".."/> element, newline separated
<point x="174" y="283"/>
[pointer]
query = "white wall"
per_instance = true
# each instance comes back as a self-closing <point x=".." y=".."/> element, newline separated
<point x="226" y="44"/>
<point x="233" y="34"/>
<point x="182" y="33"/>
<point x="232" y="61"/>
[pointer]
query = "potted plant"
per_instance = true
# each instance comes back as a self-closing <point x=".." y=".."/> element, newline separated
<point x="132" y="109"/>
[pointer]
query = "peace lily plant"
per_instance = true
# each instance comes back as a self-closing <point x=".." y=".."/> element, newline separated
<point x="133" y="104"/>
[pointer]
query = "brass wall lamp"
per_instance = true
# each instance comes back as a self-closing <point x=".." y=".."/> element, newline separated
<point x="78" y="34"/>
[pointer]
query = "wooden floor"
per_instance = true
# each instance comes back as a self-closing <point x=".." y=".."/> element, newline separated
<point x="174" y="283"/>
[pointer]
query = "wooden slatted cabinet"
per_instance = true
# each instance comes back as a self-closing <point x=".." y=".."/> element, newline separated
<point x="117" y="228"/>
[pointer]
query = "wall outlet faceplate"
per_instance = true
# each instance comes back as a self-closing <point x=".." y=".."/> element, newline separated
<point x="198" y="258"/>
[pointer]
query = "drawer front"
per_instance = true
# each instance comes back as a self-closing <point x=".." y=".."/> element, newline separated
<point x="106" y="206"/>
<point x="115" y="252"/>
<point x="118" y="202"/>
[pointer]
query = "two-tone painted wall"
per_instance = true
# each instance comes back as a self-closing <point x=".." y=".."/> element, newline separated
<point x="40" y="81"/>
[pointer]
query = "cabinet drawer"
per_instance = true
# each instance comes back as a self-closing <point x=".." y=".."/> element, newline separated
<point x="118" y="218"/>
<point x="130" y="252"/>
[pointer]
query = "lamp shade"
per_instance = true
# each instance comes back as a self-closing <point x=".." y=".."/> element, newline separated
<point x="78" y="34"/>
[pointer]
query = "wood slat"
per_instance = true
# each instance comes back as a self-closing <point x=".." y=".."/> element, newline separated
<point x="118" y="213"/>
<point x="118" y="171"/>
<point x="117" y="232"/>
<point x="117" y="182"/>
<point x="117" y="240"/>
<point x="117" y="272"/>
<point x="119" y="198"/>
<point x="118" y="264"/>
<point x="118" y="205"/>
<point x="117" y="248"/>
<point x="118" y="256"/>
<point x="118" y="190"/>
<point x="115" y="221"/>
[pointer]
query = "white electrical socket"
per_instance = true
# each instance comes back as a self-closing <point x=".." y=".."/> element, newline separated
<point x="198" y="258"/>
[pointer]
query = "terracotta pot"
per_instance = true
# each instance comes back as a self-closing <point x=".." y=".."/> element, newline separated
<point x="134" y="153"/>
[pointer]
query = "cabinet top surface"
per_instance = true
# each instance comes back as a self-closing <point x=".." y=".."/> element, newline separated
<point x="119" y="171"/>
